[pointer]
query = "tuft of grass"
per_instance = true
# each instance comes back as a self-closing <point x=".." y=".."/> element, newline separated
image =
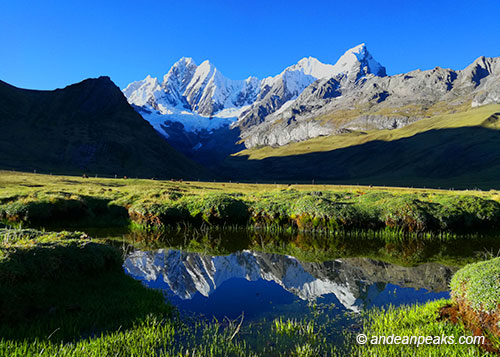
<point x="292" y="327"/>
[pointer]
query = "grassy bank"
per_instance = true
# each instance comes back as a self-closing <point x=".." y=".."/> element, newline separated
<point x="476" y="295"/>
<point x="67" y="285"/>
<point x="48" y="201"/>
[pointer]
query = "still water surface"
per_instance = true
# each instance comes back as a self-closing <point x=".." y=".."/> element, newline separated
<point x="266" y="286"/>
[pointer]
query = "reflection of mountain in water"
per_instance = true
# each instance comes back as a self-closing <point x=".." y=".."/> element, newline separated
<point x="354" y="281"/>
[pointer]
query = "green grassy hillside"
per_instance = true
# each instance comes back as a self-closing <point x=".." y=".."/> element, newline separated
<point x="454" y="150"/>
<point x="473" y="117"/>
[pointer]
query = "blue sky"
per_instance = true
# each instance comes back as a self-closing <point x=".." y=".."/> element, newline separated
<point x="49" y="44"/>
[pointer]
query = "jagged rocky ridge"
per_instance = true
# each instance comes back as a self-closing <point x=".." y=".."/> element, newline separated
<point x="351" y="280"/>
<point x="202" y="100"/>
<point x="306" y="100"/>
<point x="339" y="105"/>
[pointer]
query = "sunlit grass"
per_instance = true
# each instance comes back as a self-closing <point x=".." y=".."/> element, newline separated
<point x="471" y="117"/>
<point x="414" y="320"/>
<point x="50" y="201"/>
<point x="293" y="327"/>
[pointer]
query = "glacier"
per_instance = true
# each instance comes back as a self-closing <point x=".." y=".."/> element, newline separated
<point x="202" y="98"/>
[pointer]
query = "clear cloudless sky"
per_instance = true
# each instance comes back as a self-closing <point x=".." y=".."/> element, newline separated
<point x="52" y="43"/>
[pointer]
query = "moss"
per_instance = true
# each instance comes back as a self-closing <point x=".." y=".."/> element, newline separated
<point x="159" y="214"/>
<point x="312" y="211"/>
<point x="409" y="214"/>
<point x="466" y="213"/>
<point x="68" y="283"/>
<point x="478" y="285"/>
<point x="476" y="296"/>
<point x="273" y="209"/>
<point x="218" y="209"/>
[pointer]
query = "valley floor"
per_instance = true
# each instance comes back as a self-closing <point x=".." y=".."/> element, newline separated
<point x="65" y="201"/>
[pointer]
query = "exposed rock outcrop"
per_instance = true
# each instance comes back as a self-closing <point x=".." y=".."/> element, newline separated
<point x="372" y="102"/>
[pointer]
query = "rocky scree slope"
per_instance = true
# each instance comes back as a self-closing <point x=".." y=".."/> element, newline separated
<point x="342" y="104"/>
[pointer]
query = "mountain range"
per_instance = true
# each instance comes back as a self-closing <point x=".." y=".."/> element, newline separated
<point x="347" y="122"/>
<point x="209" y="117"/>
<point x="201" y="100"/>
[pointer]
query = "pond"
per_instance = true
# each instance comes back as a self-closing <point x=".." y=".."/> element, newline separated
<point x="275" y="285"/>
<point x="226" y="273"/>
<point x="263" y="287"/>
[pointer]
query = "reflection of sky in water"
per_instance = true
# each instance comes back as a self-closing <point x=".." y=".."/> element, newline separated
<point x="265" y="298"/>
<point x="395" y="295"/>
<point x="236" y="295"/>
<point x="268" y="285"/>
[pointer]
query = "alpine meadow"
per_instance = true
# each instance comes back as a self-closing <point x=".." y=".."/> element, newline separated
<point x="342" y="199"/>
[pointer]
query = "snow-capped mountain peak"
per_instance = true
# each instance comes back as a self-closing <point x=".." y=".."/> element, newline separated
<point x="359" y="49"/>
<point x="205" y="70"/>
<point x="181" y="73"/>
<point x="186" y="60"/>
<point x="209" y="91"/>
<point x="202" y="99"/>
<point x="313" y="67"/>
<point x="139" y="93"/>
<point x="183" y="62"/>
<point x="359" y="62"/>
<point x="295" y="78"/>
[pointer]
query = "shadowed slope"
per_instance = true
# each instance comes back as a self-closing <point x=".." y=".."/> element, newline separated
<point x="455" y="157"/>
<point x="86" y="127"/>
